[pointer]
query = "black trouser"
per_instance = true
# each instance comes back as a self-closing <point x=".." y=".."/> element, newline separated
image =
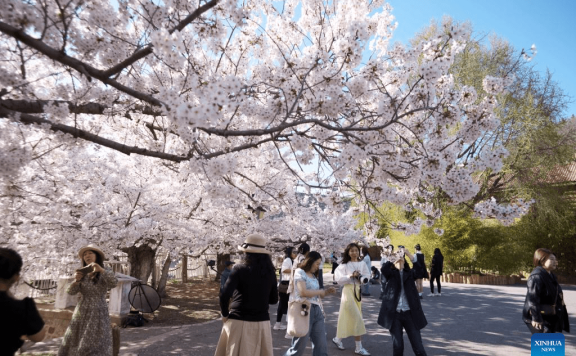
<point x="437" y="278"/>
<point x="403" y="320"/>
<point x="282" y="305"/>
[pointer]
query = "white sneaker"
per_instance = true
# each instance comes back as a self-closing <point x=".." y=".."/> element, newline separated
<point x="439" y="294"/>
<point x="277" y="326"/>
<point x="283" y="326"/>
<point x="431" y="295"/>
<point x="362" y="351"/>
<point x="338" y="343"/>
<point x="286" y="336"/>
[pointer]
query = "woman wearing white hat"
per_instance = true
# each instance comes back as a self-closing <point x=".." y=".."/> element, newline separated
<point x="252" y="287"/>
<point x="89" y="332"/>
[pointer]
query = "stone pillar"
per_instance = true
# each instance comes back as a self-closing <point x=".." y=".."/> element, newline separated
<point x="63" y="299"/>
<point x="119" y="304"/>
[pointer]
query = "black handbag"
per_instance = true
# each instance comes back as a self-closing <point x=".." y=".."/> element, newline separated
<point x="548" y="309"/>
<point x="283" y="287"/>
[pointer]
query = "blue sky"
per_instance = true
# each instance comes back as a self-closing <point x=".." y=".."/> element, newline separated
<point x="551" y="25"/>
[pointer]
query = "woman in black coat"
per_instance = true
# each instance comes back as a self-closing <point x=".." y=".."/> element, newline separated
<point x="545" y="294"/>
<point x="401" y="308"/>
<point x="436" y="271"/>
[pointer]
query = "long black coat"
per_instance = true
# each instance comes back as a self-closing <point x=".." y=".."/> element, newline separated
<point x="543" y="288"/>
<point x="437" y="265"/>
<point x="392" y="290"/>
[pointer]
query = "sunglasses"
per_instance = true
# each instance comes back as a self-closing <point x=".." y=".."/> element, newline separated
<point x="304" y="311"/>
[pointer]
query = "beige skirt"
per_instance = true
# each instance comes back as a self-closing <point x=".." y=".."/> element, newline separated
<point x="241" y="338"/>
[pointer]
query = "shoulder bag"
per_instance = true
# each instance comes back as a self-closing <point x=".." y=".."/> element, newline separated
<point x="298" y="316"/>
<point x="548" y="309"/>
<point x="283" y="285"/>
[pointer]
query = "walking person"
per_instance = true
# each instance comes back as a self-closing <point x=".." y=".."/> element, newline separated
<point x="252" y="287"/>
<point x="368" y="261"/>
<point x="89" y="332"/>
<point x="307" y="287"/>
<point x="285" y="272"/>
<point x="419" y="269"/>
<point x="436" y="269"/>
<point x="544" y="308"/>
<point x="335" y="260"/>
<point x="351" y="273"/>
<point x="401" y="308"/>
<point x="19" y="317"/>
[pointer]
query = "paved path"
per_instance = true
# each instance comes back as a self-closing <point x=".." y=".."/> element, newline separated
<point x="467" y="320"/>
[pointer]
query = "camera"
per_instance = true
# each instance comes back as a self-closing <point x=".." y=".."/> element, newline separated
<point x="400" y="246"/>
<point x="211" y="263"/>
<point x="359" y="278"/>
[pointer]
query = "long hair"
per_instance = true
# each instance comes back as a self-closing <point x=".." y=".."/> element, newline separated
<point x="260" y="264"/>
<point x="365" y="251"/>
<point x="10" y="264"/>
<point x="437" y="252"/>
<point x="100" y="261"/>
<point x="304" y="248"/>
<point x="288" y="252"/>
<point x="312" y="257"/>
<point x="346" y="257"/>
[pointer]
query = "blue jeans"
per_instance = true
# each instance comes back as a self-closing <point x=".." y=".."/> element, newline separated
<point x="317" y="333"/>
<point x="366" y="288"/>
<point x="404" y="321"/>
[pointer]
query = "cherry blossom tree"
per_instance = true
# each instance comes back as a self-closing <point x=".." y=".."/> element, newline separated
<point x="233" y="98"/>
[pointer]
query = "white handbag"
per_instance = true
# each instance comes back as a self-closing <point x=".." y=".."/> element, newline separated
<point x="298" y="318"/>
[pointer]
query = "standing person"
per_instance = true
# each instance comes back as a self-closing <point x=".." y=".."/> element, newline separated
<point x="351" y="273"/>
<point x="307" y="286"/>
<point x="544" y="295"/>
<point x="252" y="287"/>
<point x="401" y="308"/>
<point x="335" y="259"/>
<point x="383" y="260"/>
<point x="320" y="274"/>
<point x="226" y="273"/>
<point x="368" y="261"/>
<point x="285" y="272"/>
<point x="420" y="272"/>
<point x="89" y="332"/>
<point x="436" y="271"/>
<point x="19" y="317"/>
<point x="302" y="253"/>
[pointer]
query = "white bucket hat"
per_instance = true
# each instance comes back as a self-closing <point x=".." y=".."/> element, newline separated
<point x="91" y="247"/>
<point x="254" y="243"/>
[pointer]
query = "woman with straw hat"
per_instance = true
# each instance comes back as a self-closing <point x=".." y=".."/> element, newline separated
<point x="252" y="287"/>
<point x="89" y="332"/>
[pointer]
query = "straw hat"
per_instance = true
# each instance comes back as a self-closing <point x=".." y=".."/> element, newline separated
<point x="91" y="247"/>
<point x="254" y="243"/>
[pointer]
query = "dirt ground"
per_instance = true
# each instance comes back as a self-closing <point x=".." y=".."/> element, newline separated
<point x="188" y="303"/>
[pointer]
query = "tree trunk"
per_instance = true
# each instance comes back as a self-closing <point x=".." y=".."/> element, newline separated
<point x="184" y="268"/>
<point x="141" y="259"/>
<point x="220" y="259"/>
<point x="164" y="277"/>
<point x="155" y="273"/>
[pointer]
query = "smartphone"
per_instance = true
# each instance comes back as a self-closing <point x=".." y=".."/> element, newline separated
<point x="86" y="270"/>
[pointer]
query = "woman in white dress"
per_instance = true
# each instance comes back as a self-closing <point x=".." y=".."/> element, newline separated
<point x="351" y="274"/>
